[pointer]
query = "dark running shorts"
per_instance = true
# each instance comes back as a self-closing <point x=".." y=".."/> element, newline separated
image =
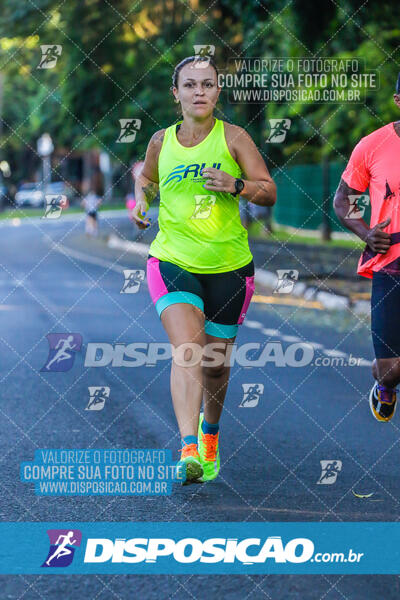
<point x="385" y="314"/>
<point x="223" y="297"/>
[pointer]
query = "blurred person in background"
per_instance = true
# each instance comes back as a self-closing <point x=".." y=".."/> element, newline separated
<point x="91" y="203"/>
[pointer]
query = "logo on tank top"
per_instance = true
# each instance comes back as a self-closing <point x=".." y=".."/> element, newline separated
<point x="191" y="172"/>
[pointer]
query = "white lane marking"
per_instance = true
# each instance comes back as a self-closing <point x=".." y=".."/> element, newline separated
<point x="362" y="362"/>
<point x="135" y="247"/>
<point x="94" y="260"/>
<point x="270" y="331"/>
<point x="335" y="353"/>
<point x="253" y="324"/>
<point x="80" y="216"/>
<point x="291" y="338"/>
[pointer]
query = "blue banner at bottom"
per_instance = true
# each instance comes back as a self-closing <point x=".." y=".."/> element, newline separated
<point x="199" y="548"/>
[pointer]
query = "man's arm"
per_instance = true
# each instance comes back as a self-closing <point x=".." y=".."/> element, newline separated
<point x="377" y="239"/>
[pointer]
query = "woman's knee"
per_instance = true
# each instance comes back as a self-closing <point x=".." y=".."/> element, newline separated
<point x="215" y="372"/>
<point x="184" y="323"/>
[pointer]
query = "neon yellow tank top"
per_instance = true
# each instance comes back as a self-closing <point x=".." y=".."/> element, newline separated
<point x="200" y="230"/>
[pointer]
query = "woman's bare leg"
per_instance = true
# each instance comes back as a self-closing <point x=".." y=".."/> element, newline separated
<point x="184" y="323"/>
<point x="216" y="379"/>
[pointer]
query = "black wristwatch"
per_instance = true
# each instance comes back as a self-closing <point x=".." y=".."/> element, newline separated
<point x="239" y="185"/>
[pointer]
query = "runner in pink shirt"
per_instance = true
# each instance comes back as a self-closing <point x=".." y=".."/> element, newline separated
<point x="375" y="164"/>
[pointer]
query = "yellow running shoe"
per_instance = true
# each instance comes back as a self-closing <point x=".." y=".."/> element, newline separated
<point x="382" y="403"/>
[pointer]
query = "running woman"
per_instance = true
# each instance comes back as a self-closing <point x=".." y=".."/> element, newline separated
<point x="200" y="270"/>
<point x="374" y="164"/>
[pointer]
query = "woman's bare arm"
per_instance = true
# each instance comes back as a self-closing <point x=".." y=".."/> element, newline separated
<point x="259" y="186"/>
<point x="146" y="184"/>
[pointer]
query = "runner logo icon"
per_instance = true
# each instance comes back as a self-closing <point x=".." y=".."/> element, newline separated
<point x="330" y="469"/>
<point x="279" y="129"/>
<point x="133" y="279"/>
<point x="129" y="128"/>
<point x="98" y="396"/>
<point x="286" y="280"/>
<point x="62" y="351"/>
<point x="357" y="205"/>
<point x="203" y="207"/>
<point x="50" y="55"/>
<point x="251" y="394"/>
<point x="63" y="543"/>
<point x="54" y="205"/>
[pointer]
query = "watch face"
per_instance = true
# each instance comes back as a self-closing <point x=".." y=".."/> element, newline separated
<point x="239" y="185"/>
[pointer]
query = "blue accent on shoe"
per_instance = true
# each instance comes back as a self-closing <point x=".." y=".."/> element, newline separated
<point x="209" y="427"/>
<point x="386" y="393"/>
<point x="219" y="330"/>
<point x="189" y="439"/>
<point x="176" y="297"/>
<point x="385" y="388"/>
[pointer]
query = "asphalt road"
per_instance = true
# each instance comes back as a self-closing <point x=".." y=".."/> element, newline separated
<point x="52" y="279"/>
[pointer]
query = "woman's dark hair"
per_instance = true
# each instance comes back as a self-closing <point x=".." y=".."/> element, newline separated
<point x="188" y="60"/>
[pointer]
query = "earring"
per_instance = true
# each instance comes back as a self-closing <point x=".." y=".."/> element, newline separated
<point x="176" y="100"/>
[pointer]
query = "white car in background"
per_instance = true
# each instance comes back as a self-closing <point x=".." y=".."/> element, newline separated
<point x="31" y="194"/>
